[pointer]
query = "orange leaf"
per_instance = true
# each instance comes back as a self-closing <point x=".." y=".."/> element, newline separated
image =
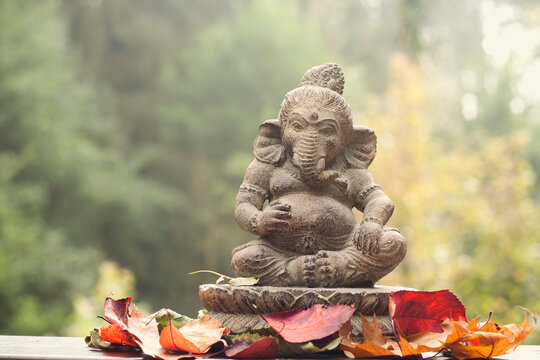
<point x="375" y="344"/>
<point x="145" y="333"/>
<point x="195" y="337"/>
<point x="172" y="339"/>
<point x="417" y="348"/>
<point x="489" y="345"/>
<point x="115" y="334"/>
<point x="490" y="340"/>
<point x="460" y="329"/>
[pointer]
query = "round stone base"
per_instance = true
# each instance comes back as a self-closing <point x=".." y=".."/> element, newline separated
<point x="233" y="305"/>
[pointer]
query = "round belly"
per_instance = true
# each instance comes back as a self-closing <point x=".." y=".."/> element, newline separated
<point x="318" y="223"/>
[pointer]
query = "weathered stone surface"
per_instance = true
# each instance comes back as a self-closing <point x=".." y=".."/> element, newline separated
<point x="311" y="165"/>
<point x="233" y="305"/>
<point x="311" y="169"/>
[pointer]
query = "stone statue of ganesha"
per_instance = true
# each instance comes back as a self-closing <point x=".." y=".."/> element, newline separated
<point x="310" y="170"/>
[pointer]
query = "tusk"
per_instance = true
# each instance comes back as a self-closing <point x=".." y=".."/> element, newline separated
<point x="321" y="165"/>
<point x="295" y="160"/>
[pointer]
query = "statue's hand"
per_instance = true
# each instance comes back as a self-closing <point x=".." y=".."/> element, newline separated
<point x="274" y="218"/>
<point x="367" y="237"/>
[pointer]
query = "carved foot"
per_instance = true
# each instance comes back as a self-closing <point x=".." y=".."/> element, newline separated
<point x="320" y="270"/>
<point x="324" y="268"/>
<point x="309" y="276"/>
<point x="329" y="266"/>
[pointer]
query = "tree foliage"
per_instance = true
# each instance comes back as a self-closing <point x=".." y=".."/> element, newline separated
<point x="126" y="127"/>
<point x="62" y="185"/>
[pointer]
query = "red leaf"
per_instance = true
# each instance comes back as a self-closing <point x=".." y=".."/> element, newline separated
<point x="264" y="348"/>
<point x="317" y="322"/>
<point x="115" y="334"/>
<point x="415" y="312"/>
<point x="117" y="311"/>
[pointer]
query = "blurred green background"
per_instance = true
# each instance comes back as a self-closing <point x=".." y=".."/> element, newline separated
<point x="126" y="127"/>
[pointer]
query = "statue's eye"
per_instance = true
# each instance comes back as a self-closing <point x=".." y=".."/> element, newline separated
<point x="328" y="131"/>
<point x="297" y="126"/>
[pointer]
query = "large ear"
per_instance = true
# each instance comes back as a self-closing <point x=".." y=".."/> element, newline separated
<point x="268" y="147"/>
<point x="362" y="147"/>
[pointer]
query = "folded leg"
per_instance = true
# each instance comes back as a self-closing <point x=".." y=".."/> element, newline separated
<point x="260" y="259"/>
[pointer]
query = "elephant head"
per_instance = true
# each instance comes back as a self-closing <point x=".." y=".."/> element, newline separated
<point x="315" y="128"/>
<point x="313" y="145"/>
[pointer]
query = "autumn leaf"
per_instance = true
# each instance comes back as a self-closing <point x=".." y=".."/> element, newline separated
<point x="416" y="312"/>
<point x="116" y="334"/>
<point x="144" y="331"/>
<point x="490" y="340"/>
<point x="287" y="349"/>
<point x="243" y="281"/>
<point x="238" y="281"/>
<point x="117" y="311"/>
<point x="166" y="316"/>
<point x="173" y="340"/>
<point x="375" y="343"/>
<point x="317" y="322"/>
<point x="196" y="337"/>
<point x="416" y="348"/>
<point x="264" y="348"/>
<point x="433" y="341"/>
<point x="95" y="341"/>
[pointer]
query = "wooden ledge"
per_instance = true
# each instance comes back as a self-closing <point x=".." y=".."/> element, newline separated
<point x="74" y="348"/>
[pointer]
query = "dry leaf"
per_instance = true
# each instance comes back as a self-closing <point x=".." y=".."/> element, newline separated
<point x="116" y="311"/>
<point x="375" y="343"/>
<point x="416" y="312"/>
<point x="145" y="333"/>
<point x="264" y="348"/>
<point x="116" y="334"/>
<point x="317" y="322"/>
<point x="196" y="337"/>
<point x="243" y="281"/>
<point x="489" y="340"/>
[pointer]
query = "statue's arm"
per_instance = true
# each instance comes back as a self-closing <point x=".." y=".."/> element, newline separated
<point x="377" y="209"/>
<point x="372" y="201"/>
<point x="253" y="192"/>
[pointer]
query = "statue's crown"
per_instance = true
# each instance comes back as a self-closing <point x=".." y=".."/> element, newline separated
<point x="327" y="75"/>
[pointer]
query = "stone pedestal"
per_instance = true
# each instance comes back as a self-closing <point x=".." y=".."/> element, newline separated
<point x="233" y="305"/>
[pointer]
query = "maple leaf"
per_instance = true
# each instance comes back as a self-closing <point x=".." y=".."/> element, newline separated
<point x="117" y="311"/>
<point x="317" y="322"/>
<point x="264" y="348"/>
<point x="196" y="337"/>
<point x="144" y="332"/>
<point x="375" y="343"/>
<point x="489" y="340"/>
<point x="416" y="312"/>
<point x="116" y="334"/>
<point x="433" y="341"/>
